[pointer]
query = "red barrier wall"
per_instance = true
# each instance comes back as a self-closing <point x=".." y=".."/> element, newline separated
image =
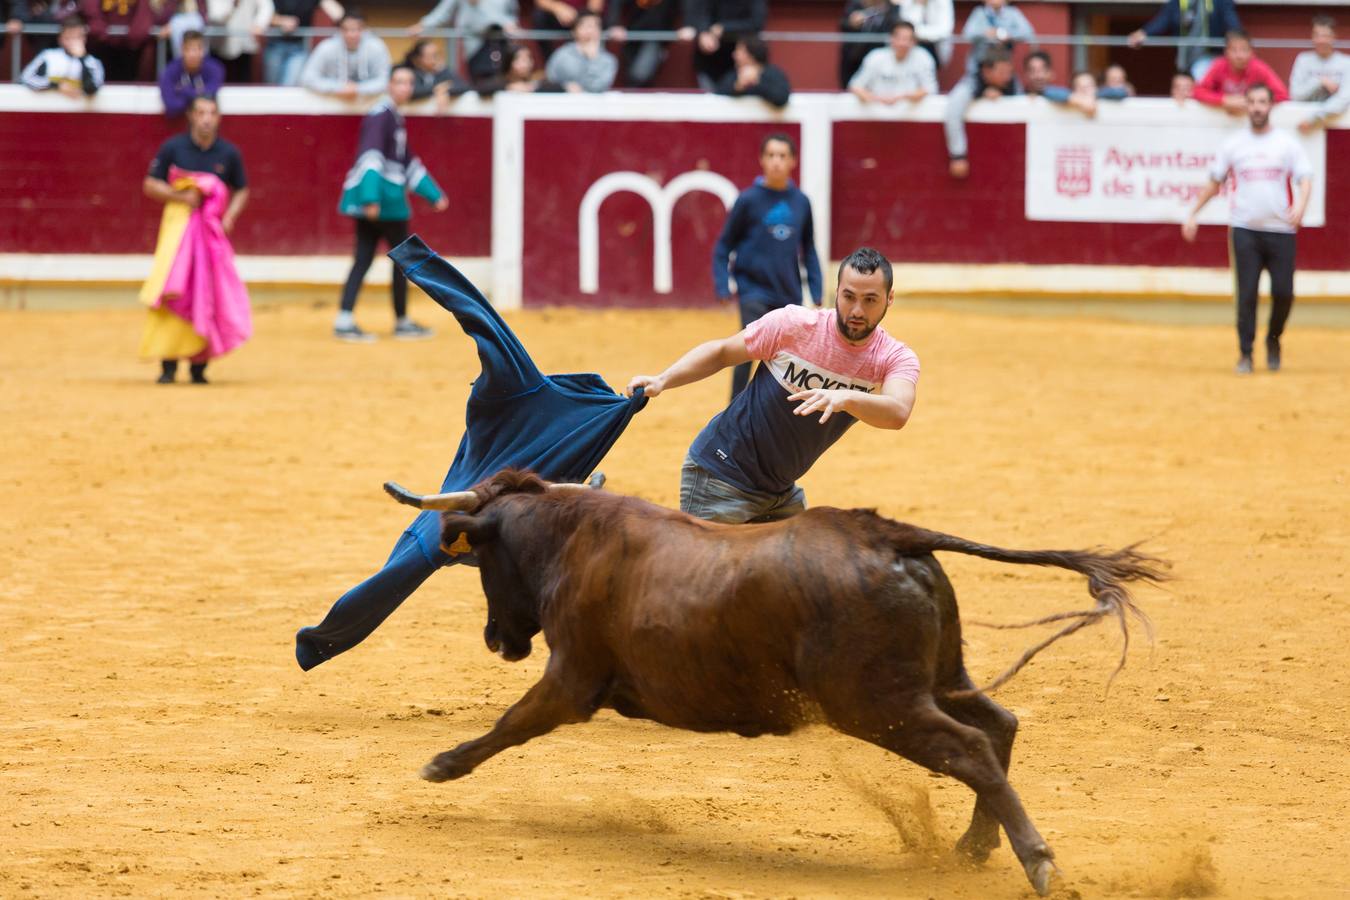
<point x="73" y="182"/>
<point x="563" y="159"/>
<point x="891" y="191"/>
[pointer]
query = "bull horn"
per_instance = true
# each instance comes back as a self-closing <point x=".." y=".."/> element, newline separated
<point x="454" y="500"/>
<point x="595" y="482"/>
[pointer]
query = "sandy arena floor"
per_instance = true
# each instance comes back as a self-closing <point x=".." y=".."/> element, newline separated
<point x="161" y="546"/>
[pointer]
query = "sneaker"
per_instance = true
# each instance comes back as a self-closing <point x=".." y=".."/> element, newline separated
<point x="408" y="330"/>
<point x="165" y="378"/>
<point x="1244" y="365"/>
<point x="1273" y="354"/>
<point x="352" y="334"/>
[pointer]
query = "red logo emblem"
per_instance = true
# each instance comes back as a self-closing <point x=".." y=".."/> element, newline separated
<point x="1073" y="171"/>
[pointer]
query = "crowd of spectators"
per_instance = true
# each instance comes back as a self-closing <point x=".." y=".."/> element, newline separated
<point x="728" y="55"/>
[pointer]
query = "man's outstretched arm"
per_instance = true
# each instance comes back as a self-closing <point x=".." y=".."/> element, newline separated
<point x="706" y="359"/>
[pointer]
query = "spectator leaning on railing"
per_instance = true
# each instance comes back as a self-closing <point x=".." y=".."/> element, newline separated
<point x="1183" y="87"/>
<point x="1226" y="82"/>
<point x="863" y="17"/>
<point x="993" y="79"/>
<point x="1321" y="75"/>
<point x="1083" y="93"/>
<point x="352" y="63"/>
<point x="898" y="72"/>
<point x="1197" y="19"/>
<point x="521" y="73"/>
<point x="1037" y="72"/>
<point x="431" y="77"/>
<point x="1115" y="78"/>
<point x="194" y="74"/>
<point x="933" y="21"/>
<point x="472" y="16"/>
<point x="719" y="24"/>
<point x="583" y="65"/>
<point x="754" y="75"/>
<point x="284" y="53"/>
<point x="641" y="59"/>
<point x="994" y="24"/>
<point x="67" y="68"/>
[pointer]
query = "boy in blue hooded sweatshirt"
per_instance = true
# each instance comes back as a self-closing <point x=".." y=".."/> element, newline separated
<point x="770" y="235"/>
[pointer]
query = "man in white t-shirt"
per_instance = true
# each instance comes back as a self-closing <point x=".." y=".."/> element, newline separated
<point x="833" y="363"/>
<point x="891" y="74"/>
<point x="1272" y="181"/>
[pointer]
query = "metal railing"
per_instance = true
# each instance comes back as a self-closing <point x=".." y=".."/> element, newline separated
<point x="453" y="35"/>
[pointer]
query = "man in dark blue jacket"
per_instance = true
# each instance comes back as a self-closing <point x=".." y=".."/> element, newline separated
<point x="1199" y="19"/>
<point x="770" y="233"/>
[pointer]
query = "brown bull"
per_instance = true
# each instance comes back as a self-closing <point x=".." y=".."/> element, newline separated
<point x="834" y="615"/>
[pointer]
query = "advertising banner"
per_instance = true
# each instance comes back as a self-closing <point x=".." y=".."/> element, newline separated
<point x="1084" y="171"/>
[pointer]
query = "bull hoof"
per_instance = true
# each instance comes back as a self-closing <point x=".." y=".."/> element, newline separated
<point x="1040" y="873"/>
<point x="975" y="850"/>
<point x="444" y="768"/>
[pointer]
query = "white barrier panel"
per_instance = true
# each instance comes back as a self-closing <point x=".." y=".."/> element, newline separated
<point x="1084" y="171"/>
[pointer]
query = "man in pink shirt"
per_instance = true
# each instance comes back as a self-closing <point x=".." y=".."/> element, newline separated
<point x="1226" y="82"/>
<point x="820" y="371"/>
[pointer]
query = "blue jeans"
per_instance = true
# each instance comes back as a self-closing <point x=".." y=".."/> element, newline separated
<point x="706" y="497"/>
<point x="282" y="61"/>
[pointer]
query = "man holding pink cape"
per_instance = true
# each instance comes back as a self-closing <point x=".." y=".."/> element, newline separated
<point x="199" y="308"/>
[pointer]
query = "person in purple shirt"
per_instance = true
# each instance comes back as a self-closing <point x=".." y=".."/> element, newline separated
<point x="194" y="74"/>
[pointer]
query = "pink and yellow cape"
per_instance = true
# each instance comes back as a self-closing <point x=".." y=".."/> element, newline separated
<point x="199" y="308"/>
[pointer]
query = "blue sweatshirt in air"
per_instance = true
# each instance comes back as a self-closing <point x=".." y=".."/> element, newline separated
<point x="771" y="235"/>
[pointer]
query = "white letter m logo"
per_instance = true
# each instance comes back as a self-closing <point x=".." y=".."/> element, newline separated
<point x="662" y="200"/>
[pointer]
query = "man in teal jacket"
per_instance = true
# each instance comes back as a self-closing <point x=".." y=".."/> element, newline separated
<point x="375" y="195"/>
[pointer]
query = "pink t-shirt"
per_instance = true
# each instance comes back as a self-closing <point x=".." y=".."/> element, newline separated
<point x="804" y="349"/>
<point x="758" y="443"/>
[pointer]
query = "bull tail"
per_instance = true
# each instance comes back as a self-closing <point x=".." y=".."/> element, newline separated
<point x="1108" y="574"/>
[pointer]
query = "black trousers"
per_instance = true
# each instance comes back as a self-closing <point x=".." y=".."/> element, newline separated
<point x="368" y="235"/>
<point x="1250" y="252"/>
<point x="750" y="311"/>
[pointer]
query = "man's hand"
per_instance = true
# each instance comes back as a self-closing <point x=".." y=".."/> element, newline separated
<point x="227" y="221"/>
<point x="442" y="204"/>
<point x="685" y="33"/>
<point x="347" y="91"/>
<point x="708" y="42"/>
<point x="371" y="211"/>
<point x="618" y="33"/>
<point x="959" y="168"/>
<point x="1330" y="85"/>
<point x="1190" y="228"/>
<point x="1307" y="126"/>
<point x="565" y="15"/>
<point x="1235" y="104"/>
<point x="70" y="89"/>
<point x="287" y="24"/>
<point x="819" y="400"/>
<point x="415" y="30"/>
<point x="1136" y="38"/>
<point x="14" y="26"/>
<point x="747" y="77"/>
<point x="1294" y="215"/>
<point x="651" y="386"/>
<point x="191" y="196"/>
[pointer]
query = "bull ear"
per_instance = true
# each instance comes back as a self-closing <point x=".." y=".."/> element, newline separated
<point x="463" y="534"/>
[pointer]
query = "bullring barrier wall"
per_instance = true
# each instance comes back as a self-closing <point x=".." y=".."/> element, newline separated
<point x="617" y="199"/>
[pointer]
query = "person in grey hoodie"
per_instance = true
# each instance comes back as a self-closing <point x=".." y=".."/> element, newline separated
<point x="994" y="23"/>
<point x="583" y="65"/>
<point x="353" y="63"/>
<point x="1321" y="75"/>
